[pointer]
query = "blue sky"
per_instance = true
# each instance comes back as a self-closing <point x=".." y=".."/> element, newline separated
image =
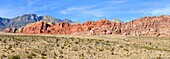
<point x="83" y="10"/>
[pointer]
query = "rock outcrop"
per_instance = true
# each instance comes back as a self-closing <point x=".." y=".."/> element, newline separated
<point x="147" y="26"/>
<point x="43" y="27"/>
<point x="11" y="30"/>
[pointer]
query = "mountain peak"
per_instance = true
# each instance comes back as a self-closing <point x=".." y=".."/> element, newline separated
<point x="23" y="20"/>
<point x="117" y="20"/>
<point x="67" y="21"/>
<point x="46" y="16"/>
<point x="30" y="15"/>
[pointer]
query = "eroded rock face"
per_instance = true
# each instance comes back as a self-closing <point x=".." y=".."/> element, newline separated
<point x="10" y="30"/>
<point x="147" y="26"/>
<point x="44" y="27"/>
<point x="84" y="29"/>
<point x="35" y="28"/>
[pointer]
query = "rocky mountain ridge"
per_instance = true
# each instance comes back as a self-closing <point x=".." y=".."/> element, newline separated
<point x="21" y="21"/>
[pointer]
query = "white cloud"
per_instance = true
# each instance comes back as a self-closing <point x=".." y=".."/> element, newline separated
<point x="93" y="10"/>
<point x="161" y="11"/>
<point x="73" y="9"/>
<point x="17" y="10"/>
<point x="98" y="10"/>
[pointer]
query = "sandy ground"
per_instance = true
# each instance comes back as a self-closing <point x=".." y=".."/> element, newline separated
<point x="43" y="46"/>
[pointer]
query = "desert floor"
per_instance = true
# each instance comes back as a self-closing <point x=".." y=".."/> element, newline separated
<point x="41" y="46"/>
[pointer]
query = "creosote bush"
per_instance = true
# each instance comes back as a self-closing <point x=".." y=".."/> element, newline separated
<point x="15" y="57"/>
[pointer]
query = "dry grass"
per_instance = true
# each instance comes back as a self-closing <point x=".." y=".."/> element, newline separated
<point x="13" y="46"/>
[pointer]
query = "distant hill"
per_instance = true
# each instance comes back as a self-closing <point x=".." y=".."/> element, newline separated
<point x="21" y="21"/>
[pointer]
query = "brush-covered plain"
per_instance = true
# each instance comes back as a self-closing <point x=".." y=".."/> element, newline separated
<point x="83" y="47"/>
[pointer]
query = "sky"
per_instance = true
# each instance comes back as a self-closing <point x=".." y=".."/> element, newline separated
<point x="84" y="10"/>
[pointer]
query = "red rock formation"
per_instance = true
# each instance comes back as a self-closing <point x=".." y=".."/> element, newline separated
<point x="35" y="28"/>
<point x="147" y="26"/>
<point x="44" y="27"/>
<point x="10" y="30"/>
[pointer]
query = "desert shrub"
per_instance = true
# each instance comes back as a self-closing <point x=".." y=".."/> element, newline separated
<point x="12" y="51"/>
<point x="31" y="55"/>
<point x="81" y="57"/>
<point x="60" y="51"/>
<point x="101" y="49"/>
<point x="66" y="43"/>
<point x="18" y="39"/>
<point x="126" y="49"/>
<point x="108" y="44"/>
<point x="150" y="43"/>
<point x="76" y="42"/>
<point x="158" y="58"/>
<point x="56" y="40"/>
<point x="90" y="46"/>
<point x="112" y="49"/>
<point x="4" y="41"/>
<point x="58" y="45"/>
<point x="43" y="58"/>
<point x="97" y="42"/>
<point x="61" y="57"/>
<point x="75" y="48"/>
<point x="10" y="46"/>
<point x="121" y="46"/>
<point x="69" y="46"/>
<point x="112" y="53"/>
<point x="3" y="56"/>
<point x="15" y="57"/>
<point x="62" y="47"/>
<point x="43" y="54"/>
<point x="0" y="39"/>
<point x="55" y="54"/>
<point x="72" y="38"/>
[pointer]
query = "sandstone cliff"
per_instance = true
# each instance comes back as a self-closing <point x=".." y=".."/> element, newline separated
<point x="147" y="26"/>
